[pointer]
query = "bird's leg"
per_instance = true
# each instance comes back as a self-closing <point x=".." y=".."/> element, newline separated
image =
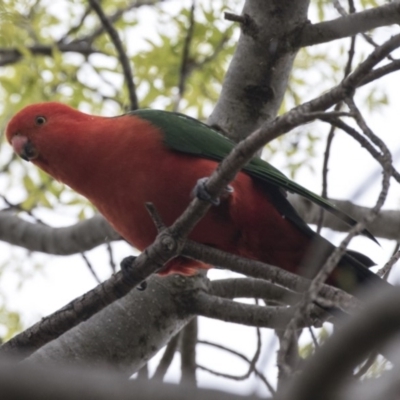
<point x="200" y="191"/>
<point x="125" y="265"/>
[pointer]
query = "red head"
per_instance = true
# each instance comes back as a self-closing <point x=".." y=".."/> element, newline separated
<point x="30" y="131"/>
<point x="75" y="148"/>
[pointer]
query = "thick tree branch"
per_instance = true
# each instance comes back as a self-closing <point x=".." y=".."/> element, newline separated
<point x="257" y="269"/>
<point x="129" y="332"/>
<point x="257" y="76"/>
<point x="82" y="308"/>
<point x="93" y="232"/>
<point x="248" y="314"/>
<point x="75" y="239"/>
<point x="252" y="288"/>
<point x="386" y="225"/>
<point x="349" y="25"/>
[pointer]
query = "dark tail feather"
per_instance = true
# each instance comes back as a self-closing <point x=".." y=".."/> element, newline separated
<point x="353" y="274"/>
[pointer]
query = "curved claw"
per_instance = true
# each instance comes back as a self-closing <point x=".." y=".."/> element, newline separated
<point x="200" y="191"/>
<point x="126" y="265"/>
<point x="142" y="286"/>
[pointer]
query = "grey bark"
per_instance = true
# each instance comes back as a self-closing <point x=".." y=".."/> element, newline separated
<point x="82" y="236"/>
<point x="386" y="225"/>
<point x="96" y="231"/>
<point x="257" y="78"/>
<point x="127" y="333"/>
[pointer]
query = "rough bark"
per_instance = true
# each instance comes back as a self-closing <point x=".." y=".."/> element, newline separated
<point x="127" y="333"/>
<point x="258" y="74"/>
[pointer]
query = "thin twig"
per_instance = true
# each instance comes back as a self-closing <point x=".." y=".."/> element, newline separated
<point x="385" y="270"/>
<point x="364" y="142"/>
<point x="380" y="72"/>
<point x="18" y="207"/>
<point x="333" y="259"/>
<point x="144" y="372"/>
<point x="366" y="366"/>
<point x="123" y="58"/>
<point x="331" y="134"/>
<point x="257" y="269"/>
<point x="188" y="353"/>
<point x="156" y="217"/>
<point x="90" y="267"/>
<point x="313" y="337"/>
<point x="240" y="355"/>
<point x="76" y="27"/>
<point x="185" y="63"/>
<point x="167" y="358"/>
<point x="117" y="15"/>
<point x="111" y="257"/>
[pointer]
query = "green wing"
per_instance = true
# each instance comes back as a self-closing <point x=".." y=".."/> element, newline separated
<point x="188" y="135"/>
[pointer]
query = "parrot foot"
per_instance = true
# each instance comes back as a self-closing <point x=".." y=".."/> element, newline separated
<point x="201" y="192"/>
<point x="125" y="265"/>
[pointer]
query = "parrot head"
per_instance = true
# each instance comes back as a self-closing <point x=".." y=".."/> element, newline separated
<point x="35" y="129"/>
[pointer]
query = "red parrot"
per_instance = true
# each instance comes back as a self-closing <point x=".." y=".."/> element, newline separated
<point x="121" y="163"/>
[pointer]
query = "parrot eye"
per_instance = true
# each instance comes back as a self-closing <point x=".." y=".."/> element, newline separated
<point x="39" y="120"/>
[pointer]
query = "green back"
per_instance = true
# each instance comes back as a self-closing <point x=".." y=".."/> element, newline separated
<point x="190" y="136"/>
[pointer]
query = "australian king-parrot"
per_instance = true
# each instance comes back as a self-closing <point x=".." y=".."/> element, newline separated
<point x="121" y="163"/>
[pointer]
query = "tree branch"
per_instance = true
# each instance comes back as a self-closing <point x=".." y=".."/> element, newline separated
<point x="349" y="25"/>
<point x="258" y="74"/>
<point x="78" y="238"/>
<point x="123" y="58"/>
<point x="185" y="62"/>
<point x="257" y="269"/>
<point x="229" y="376"/>
<point x="81" y="45"/>
<point x="331" y="366"/>
<point x="139" y="325"/>
<point x="83" y="307"/>
<point x="386" y="225"/>
<point x="252" y="288"/>
<point x="247" y="314"/>
<point x="188" y="352"/>
<point x="167" y="358"/>
<point x="10" y="56"/>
